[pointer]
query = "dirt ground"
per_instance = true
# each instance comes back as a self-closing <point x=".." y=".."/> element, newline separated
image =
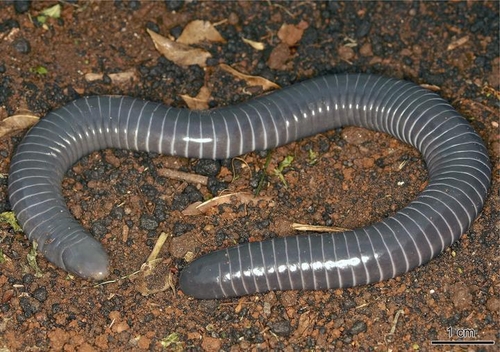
<point x="348" y="177"/>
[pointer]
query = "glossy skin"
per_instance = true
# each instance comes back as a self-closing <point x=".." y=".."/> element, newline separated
<point x="457" y="160"/>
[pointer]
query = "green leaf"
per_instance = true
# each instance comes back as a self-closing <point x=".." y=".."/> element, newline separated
<point x="285" y="163"/>
<point x="10" y="219"/>
<point x="41" y="19"/>
<point x="41" y="70"/>
<point x="31" y="257"/>
<point x="313" y="157"/>
<point x="171" y="340"/>
<point x="281" y="166"/>
<point x="53" y="11"/>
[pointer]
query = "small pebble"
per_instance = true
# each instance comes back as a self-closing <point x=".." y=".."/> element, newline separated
<point x="173" y="5"/>
<point x="363" y="29"/>
<point x="358" y="327"/>
<point x="153" y="27"/>
<point x="99" y="229"/>
<point x="134" y="5"/>
<point x="28" y="308"/>
<point x="181" y="228"/>
<point x="176" y="31"/>
<point x="215" y="186"/>
<point x="22" y="6"/>
<point x="207" y="167"/>
<point x="282" y="328"/>
<point x="22" y="46"/>
<point x="28" y="279"/>
<point x="40" y="294"/>
<point x="148" y="223"/>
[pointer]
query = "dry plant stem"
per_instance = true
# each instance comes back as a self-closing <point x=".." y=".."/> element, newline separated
<point x="183" y="176"/>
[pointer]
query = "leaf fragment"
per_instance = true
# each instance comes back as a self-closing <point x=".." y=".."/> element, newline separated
<point x="16" y="123"/>
<point x="199" y="102"/>
<point x="116" y="78"/>
<point x="251" y="80"/>
<point x="53" y="12"/>
<point x="10" y="218"/>
<point x="199" y="31"/>
<point x="179" y="53"/>
<point x="170" y="341"/>
<point x="457" y="43"/>
<point x="281" y="166"/>
<point x="254" y="44"/>
<point x="198" y="208"/>
<point x="41" y="70"/>
<point x="31" y="257"/>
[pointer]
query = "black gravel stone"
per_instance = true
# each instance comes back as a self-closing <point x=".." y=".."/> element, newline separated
<point x="2" y="68"/>
<point x="4" y="307"/>
<point x="22" y="6"/>
<point x="174" y="5"/>
<point x="149" y="317"/>
<point x="149" y="191"/>
<point x="358" y="327"/>
<point x="255" y="180"/>
<point x="348" y="304"/>
<point x="134" y="5"/>
<point x="117" y="213"/>
<point x="40" y="294"/>
<point x="220" y="236"/>
<point x="7" y="25"/>
<point x="263" y="224"/>
<point x="363" y="29"/>
<point x="207" y="167"/>
<point x="56" y="308"/>
<point x="99" y="229"/>
<point x="153" y="27"/>
<point x="181" y="228"/>
<point x="310" y="36"/>
<point x="160" y="212"/>
<point x="193" y="193"/>
<point x="5" y="93"/>
<point x="148" y="222"/>
<point x="28" y="279"/>
<point x="22" y="46"/>
<point x="215" y="186"/>
<point x="176" y="31"/>
<point x="282" y="328"/>
<point x="28" y="308"/>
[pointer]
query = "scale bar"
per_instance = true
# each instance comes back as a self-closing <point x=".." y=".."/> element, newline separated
<point x="463" y="343"/>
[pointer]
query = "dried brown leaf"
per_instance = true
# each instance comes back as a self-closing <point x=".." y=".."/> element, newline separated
<point x="179" y="53"/>
<point x="199" y="208"/>
<point x="199" y="31"/>
<point x="255" y="45"/>
<point x="432" y="87"/>
<point x="317" y="228"/>
<point x="199" y="102"/>
<point x="251" y="80"/>
<point x="16" y="123"/>
<point x="459" y="42"/>
<point x="117" y="78"/>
